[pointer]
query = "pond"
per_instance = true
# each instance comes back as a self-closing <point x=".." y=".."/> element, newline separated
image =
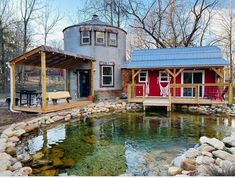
<point x="119" y="144"/>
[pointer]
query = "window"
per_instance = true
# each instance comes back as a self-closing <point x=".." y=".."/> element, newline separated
<point x="107" y="76"/>
<point x="85" y="37"/>
<point x="143" y="76"/>
<point x="112" y="39"/>
<point x="163" y="76"/>
<point x="100" y="38"/>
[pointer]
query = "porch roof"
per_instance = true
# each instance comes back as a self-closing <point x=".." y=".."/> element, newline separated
<point x="55" y="58"/>
<point x="209" y="56"/>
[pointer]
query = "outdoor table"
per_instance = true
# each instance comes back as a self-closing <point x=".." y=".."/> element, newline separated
<point x="29" y="94"/>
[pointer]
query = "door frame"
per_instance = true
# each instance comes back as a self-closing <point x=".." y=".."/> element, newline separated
<point x="182" y="82"/>
<point x="78" y="81"/>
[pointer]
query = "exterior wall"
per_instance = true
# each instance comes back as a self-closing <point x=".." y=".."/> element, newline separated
<point x="154" y="88"/>
<point x="116" y="55"/>
<point x="126" y="78"/>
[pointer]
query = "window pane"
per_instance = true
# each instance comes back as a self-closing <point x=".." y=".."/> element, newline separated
<point x="197" y="77"/>
<point x="107" y="70"/>
<point x="188" y="78"/>
<point x="99" y="34"/>
<point x="85" y="40"/>
<point x="107" y="80"/>
<point x="100" y="40"/>
<point x="85" y="33"/>
<point x="113" y="39"/>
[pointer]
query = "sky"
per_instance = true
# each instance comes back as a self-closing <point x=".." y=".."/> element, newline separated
<point x="69" y="8"/>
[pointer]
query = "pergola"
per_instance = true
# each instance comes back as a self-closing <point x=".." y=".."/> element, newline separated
<point x="45" y="56"/>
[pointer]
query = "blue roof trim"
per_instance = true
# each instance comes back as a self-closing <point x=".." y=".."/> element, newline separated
<point x="177" y="57"/>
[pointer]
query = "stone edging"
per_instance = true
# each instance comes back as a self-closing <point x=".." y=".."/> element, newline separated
<point x="211" y="157"/>
<point x="11" y="164"/>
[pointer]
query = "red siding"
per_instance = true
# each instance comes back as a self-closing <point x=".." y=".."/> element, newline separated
<point x="154" y="88"/>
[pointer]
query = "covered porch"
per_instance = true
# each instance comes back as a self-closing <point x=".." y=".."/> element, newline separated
<point x="178" y="89"/>
<point x="42" y="100"/>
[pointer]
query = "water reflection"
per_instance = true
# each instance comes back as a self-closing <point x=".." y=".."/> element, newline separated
<point x="132" y="141"/>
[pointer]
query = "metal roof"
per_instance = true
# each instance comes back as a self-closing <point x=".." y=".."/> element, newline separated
<point x="176" y="57"/>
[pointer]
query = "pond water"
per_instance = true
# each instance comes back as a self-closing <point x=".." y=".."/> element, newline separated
<point x="119" y="144"/>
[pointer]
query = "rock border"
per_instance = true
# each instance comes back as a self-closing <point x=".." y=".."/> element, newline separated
<point x="212" y="157"/>
<point x="12" y="164"/>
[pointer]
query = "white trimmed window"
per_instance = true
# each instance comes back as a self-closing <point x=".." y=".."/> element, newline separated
<point x="107" y="76"/>
<point x="85" y="37"/>
<point x="100" y="38"/>
<point x="112" y="39"/>
<point x="163" y="76"/>
<point x="143" y="76"/>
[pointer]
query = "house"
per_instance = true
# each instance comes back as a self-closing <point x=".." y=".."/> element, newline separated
<point x="93" y="54"/>
<point x="107" y="45"/>
<point x="162" y="77"/>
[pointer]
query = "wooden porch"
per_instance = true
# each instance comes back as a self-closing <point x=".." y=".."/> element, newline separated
<point x="216" y="94"/>
<point x="48" y="57"/>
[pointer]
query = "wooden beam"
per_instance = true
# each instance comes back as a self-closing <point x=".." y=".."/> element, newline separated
<point x="43" y="81"/>
<point x="92" y="79"/>
<point x="137" y="73"/>
<point x="25" y="56"/>
<point x="172" y="74"/>
<point x="179" y="72"/>
<point x="13" y="82"/>
<point x="230" y="94"/>
<point x="218" y="72"/>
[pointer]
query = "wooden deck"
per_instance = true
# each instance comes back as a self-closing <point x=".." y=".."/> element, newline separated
<point x="165" y="101"/>
<point x="53" y="108"/>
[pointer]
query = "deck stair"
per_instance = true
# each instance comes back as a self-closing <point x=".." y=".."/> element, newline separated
<point x="157" y="101"/>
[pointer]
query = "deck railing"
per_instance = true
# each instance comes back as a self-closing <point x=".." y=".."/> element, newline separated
<point x="197" y="92"/>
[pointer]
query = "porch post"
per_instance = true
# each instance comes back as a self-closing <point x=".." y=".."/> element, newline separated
<point x="92" y="79"/>
<point x="44" y="81"/>
<point x="13" y="84"/>
<point x="230" y="94"/>
<point x="67" y="80"/>
<point x="133" y="82"/>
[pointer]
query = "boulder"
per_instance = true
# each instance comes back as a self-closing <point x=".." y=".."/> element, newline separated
<point x="57" y="118"/>
<point x="213" y="142"/>
<point x="206" y="153"/>
<point x="16" y="166"/>
<point x="192" y="153"/>
<point x="5" y="164"/>
<point x="224" y="155"/>
<point x="26" y="158"/>
<point x="8" y="132"/>
<point x="204" y="160"/>
<point x="31" y="127"/>
<point x="178" y="161"/>
<point x="2" y="147"/>
<point x="6" y="173"/>
<point x="226" y="165"/>
<point x="5" y="156"/>
<point x="206" y="147"/>
<point x="232" y="150"/>
<point x="172" y="171"/>
<point x="11" y="150"/>
<point x="229" y="141"/>
<point x="19" y="132"/>
<point x="20" y="125"/>
<point x="188" y="165"/>
<point x="25" y="171"/>
<point x="13" y="139"/>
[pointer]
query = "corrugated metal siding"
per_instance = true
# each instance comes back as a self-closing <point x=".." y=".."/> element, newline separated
<point x="177" y="57"/>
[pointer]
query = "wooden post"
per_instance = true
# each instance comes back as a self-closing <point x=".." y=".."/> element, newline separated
<point x="133" y="82"/>
<point x="230" y="94"/>
<point x="67" y="80"/>
<point x="198" y="93"/>
<point x="92" y="79"/>
<point x="129" y="92"/>
<point x="174" y="78"/>
<point x="44" y="81"/>
<point x="13" y="82"/>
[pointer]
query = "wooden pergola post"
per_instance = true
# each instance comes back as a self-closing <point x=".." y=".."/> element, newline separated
<point x="43" y="81"/>
<point x="92" y="79"/>
<point x="13" y="70"/>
